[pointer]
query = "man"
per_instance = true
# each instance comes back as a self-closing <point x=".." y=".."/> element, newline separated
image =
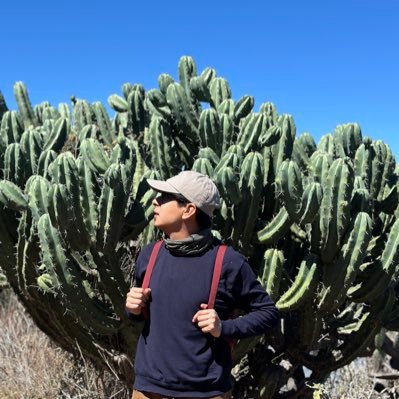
<point x="183" y="351"/>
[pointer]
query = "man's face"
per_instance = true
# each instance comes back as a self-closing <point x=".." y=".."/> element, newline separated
<point x="168" y="212"/>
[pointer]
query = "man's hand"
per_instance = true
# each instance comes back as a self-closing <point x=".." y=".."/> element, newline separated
<point x="137" y="299"/>
<point x="208" y="321"/>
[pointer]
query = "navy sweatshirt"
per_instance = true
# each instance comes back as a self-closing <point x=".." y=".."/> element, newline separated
<point x="174" y="357"/>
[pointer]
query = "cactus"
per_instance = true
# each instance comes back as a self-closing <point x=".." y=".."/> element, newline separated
<point x="335" y="207"/>
<point x="210" y="130"/>
<point x="347" y="139"/>
<point x="117" y="103"/>
<point x="82" y="113"/>
<point x="199" y="85"/>
<point x="14" y="164"/>
<point x="302" y="287"/>
<point x="182" y="111"/>
<point x="12" y="197"/>
<point x="3" y="105"/>
<point x="319" y="224"/>
<point x="136" y="113"/>
<point x="24" y="105"/>
<point x="220" y="91"/>
<point x="243" y="107"/>
<point x="303" y="149"/>
<point x="162" y="158"/>
<point x="104" y="123"/>
<point x="272" y="272"/>
<point x="94" y="155"/>
<point x="56" y="139"/>
<point x="250" y="185"/>
<point x="157" y="104"/>
<point x="11" y="127"/>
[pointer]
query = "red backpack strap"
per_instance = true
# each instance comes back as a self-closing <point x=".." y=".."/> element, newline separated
<point x="148" y="272"/>
<point x="216" y="275"/>
<point x="151" y="263"/>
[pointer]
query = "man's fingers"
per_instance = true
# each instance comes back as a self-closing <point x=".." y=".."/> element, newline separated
<point x="201" y="314"/>
<point x="134" y="301"/>
<point x="206" y="316"/>
<point x="207" y="329"/>
<point x="133" y="305"/>
<point x="135" y="295"/>
<point x="139" y="293"/>
<point x="195" y="317"/>
<point x="206" y="323"/>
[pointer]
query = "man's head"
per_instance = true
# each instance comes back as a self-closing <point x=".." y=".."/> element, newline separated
<point x="189" y="197"/>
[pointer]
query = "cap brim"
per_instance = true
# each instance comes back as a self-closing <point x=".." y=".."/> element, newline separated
<point x="162" y="186"/>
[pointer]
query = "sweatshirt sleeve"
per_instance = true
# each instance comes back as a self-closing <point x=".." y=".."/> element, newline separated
<point x="261" y="313"/>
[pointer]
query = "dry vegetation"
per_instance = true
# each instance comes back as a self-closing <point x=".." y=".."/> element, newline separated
<point x="32" y="367"/>
<point x="355" y="381"/>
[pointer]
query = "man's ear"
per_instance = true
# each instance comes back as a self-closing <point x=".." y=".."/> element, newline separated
<point x="189" y="211"/>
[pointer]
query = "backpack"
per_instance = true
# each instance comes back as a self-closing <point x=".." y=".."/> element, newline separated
<point x="217" y="269"/>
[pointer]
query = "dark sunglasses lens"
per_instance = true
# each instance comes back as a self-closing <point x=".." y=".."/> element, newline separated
<point x="166" y="197"/>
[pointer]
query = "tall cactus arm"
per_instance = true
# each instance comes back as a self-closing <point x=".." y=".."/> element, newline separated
<point x="104" y="123"/>
<point x="339" y="276"/>
<point x="290" y="179"/>
<point x="24" y="105"/>
<point x="273" y="260"/>
<point x="94" y="155"/>
<point x="275" y="229"/>
<point x="62" y="270"/>
<point x="56" y="140"/>
<point x="251" y="186"/>
<point x="3" y="105"/>
<point x="302" y="287"/>
<point x="11" y="196"/>
<point x="335" y="208"/>
<point x="220" y="91"/>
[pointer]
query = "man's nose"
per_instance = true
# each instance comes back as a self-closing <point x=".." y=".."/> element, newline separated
<point x="155" y="202"/>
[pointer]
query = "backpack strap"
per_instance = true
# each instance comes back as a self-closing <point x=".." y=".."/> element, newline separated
<point x="217" y="269"/>
<point x="151" y="263"/>
<point x="148" y="271"/>
<point x="214" y="287"/>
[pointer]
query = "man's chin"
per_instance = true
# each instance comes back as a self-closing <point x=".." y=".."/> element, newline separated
<point x="158" y="225"/>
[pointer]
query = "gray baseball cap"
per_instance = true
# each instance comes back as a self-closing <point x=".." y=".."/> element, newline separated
<point x="196" y="187"/>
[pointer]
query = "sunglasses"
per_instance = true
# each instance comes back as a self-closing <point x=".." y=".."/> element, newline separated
<point x="167" y="197"/>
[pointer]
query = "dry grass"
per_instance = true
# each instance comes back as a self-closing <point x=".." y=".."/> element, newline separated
<point x="355" y="381"/>
<point x="32" y="367"/>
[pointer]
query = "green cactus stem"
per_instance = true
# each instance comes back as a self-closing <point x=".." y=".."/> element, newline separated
<point x="24" y="105"/>
<point x="12" y="197"/>
<point x="251" y="186"/>
<point x="335" y="207"/>
<point x="117" y="103"/>
<point x="275" y="229"/>
<point x="3" y="105"/>
<point x="273" y="261"/>
<point x="302" y="287"/>
<point x="220" y="91"/>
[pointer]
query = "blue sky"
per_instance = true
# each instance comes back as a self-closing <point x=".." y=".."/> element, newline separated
<point x="324" y="62"/>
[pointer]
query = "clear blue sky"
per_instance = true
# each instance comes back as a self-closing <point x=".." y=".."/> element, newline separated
<point x="324" y="62"/>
